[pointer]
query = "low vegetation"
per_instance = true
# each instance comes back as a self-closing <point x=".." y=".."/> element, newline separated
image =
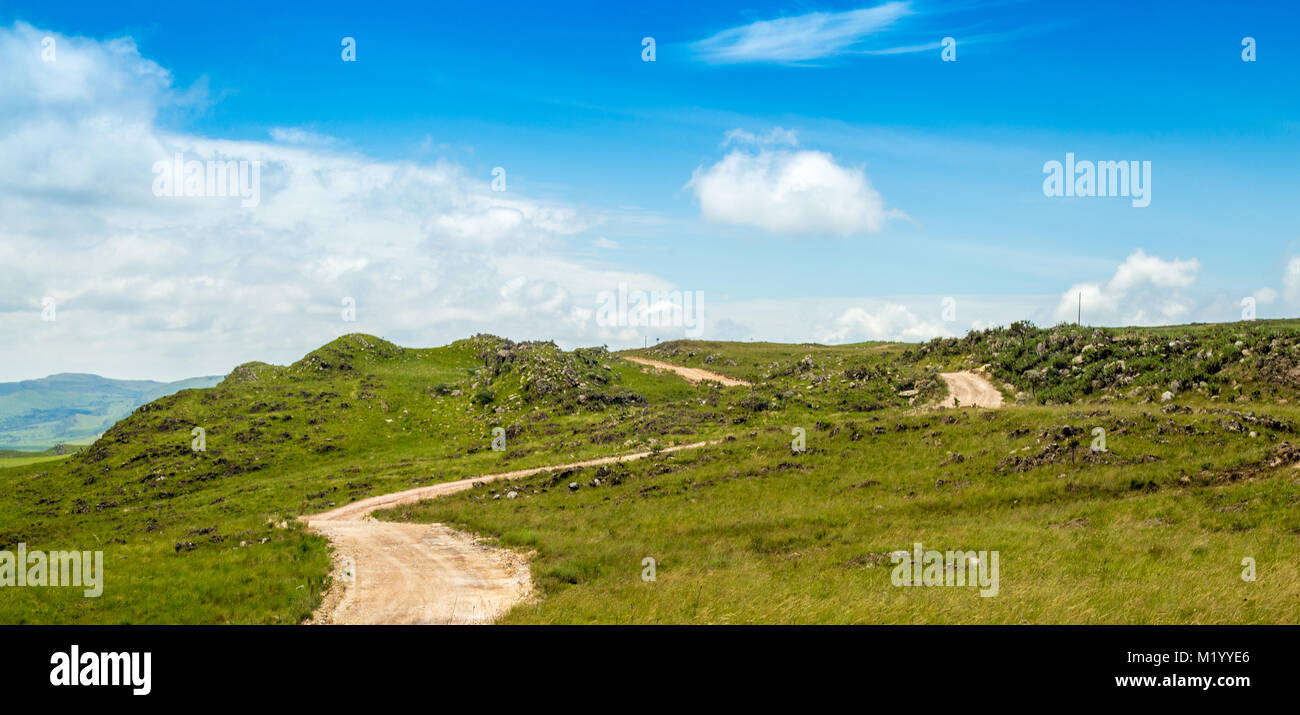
<point x="1152" y="529"/>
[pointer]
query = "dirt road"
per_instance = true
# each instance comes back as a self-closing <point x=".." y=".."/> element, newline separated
<point x="692" y="374"/>
<point x="396" y="573"/>
<point x="970" y="388"/>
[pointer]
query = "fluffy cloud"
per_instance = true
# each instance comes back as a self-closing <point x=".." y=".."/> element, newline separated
<point x="1145" y="290"/>
<point x="789" y="192"/>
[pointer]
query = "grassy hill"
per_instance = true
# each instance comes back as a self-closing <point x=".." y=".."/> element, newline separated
<point x="72" y="408"/>
<point x="1233" y="362"/>
<point x="1152" y="530"/>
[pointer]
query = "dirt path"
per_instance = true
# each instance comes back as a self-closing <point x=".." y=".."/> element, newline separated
<point x="970" y="388"/>
<point x="396" y="573"/>
<point x="692" y="374"/>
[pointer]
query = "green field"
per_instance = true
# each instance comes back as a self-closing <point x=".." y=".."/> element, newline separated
<point x="24" y="461"/>
<point x="1152" y="530"/>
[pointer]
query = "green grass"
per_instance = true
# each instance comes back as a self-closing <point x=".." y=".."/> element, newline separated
<point x="1256" y="361"/>
<point x="189" y="536"/>
<point x="743" y="531"/>
<point x="24" y="461"/>
<point x="748" y="532"/>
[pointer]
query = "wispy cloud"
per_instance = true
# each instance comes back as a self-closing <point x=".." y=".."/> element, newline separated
<point x="802" y="38"/>
<point x="298" y="135"/>
<point x="891" y="28"/>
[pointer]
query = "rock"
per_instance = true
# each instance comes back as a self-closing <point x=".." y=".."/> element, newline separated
<point x="1166" y="396"/>
<point x="512" y="494"/>
<point x="573" y="486"/>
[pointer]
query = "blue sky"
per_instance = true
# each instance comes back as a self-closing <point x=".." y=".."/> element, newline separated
<point x="927" y="174"/>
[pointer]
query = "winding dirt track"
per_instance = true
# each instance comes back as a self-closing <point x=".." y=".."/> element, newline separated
<point x="424" y="574"/>
<point x="970" y="388"/>
<point x="692" y="374"/>
<point x="398" y="573"/>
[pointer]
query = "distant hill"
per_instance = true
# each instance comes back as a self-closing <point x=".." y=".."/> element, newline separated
<point x="74" y="408"/>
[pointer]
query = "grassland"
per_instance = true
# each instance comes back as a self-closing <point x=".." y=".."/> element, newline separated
<point x="210" y="536"/>
<point x="1152" y="530"/>
<point x="7" y="461"/>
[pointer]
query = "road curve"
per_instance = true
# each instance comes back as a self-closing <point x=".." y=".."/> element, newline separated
<point x="692" y="374"/>
<point x="425" y="574"/>
<point x="970" y="389"/>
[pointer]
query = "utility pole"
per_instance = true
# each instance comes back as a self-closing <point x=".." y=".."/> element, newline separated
<point x="1079" y="320"/>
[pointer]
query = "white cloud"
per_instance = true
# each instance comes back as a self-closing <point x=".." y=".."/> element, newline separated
<point x="789" y="192"/>
<point x="1145" y="290"/>
<point x="1264" y="296"/>
<point x="801" y="38"/>
<point x="1291" y="281"/>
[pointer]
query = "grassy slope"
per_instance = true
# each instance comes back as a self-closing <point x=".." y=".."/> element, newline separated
<point x="1241" y="362"/>
<point x="745" y="531"/>
<point x="356" y="418"/>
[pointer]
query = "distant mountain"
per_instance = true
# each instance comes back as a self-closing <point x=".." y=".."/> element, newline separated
<point x="72" y="407"/>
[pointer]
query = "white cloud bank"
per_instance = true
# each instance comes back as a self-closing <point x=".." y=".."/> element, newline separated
<point x="1145" y="290"/>
<point x="167" y="287"/>
<point x="892" y="321"/>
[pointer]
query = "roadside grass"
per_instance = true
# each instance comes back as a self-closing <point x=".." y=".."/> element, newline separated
<point x="749" y="532"/>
